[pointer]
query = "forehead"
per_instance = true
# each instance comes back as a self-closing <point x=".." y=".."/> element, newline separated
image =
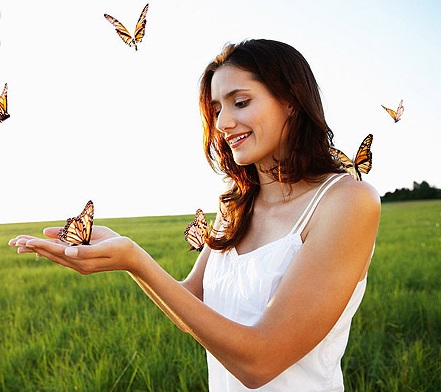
<point x="229" y="78"/>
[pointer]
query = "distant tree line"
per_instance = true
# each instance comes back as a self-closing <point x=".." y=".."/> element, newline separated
<point x="419" y="192"/>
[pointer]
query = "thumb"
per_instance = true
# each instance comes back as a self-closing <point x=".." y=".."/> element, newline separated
<point x="83" y="251"/>
<point x="71" y="251"/>
<point x="51" y="232"/>
<point x="103" y="249"/>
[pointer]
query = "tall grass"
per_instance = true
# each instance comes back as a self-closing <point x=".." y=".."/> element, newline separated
<point x="395" y="342"/>
<point x="61" y="331"/>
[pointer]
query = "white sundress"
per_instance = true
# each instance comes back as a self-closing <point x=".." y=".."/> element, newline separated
<point x="239" y="287"/>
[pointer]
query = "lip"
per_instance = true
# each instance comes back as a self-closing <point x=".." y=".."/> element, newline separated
<point x="236" y="139"/>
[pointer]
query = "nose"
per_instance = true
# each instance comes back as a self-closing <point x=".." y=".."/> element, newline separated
<point x="225" y="120"/>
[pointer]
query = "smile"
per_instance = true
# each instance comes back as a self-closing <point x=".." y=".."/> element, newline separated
<point x="233" y="140"/>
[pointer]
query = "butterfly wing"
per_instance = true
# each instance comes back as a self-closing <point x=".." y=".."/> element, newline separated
<point x="396" y="115"/>
<point x="346" y="163"/>
<point x="363" y="159"/>
<point x="400" y="111"/>
<point x="4" y="104"/>
<point x="140" y="26"/>
<point x="74" y="232"/>
<point x="195" y="232"/>
<point x="362" y="162"/>
<point x="121" y="30"/>
<point x="78" y="230"/>
<point x="391" y="112"/>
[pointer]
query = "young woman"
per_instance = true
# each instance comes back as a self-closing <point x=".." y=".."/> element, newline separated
<point x="273" y="292"/>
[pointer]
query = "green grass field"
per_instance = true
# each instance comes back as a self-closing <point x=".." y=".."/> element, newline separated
<point x="61" y="331"/>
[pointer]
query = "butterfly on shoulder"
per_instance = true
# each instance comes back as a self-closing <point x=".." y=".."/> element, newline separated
<point x="396" y="115"/>
<point x="124" y="33"/>
<point x="362" y="163"/>
<point x="78" y="229"/>
<point x="195" y="232"/>
<point x="4" y="104"/>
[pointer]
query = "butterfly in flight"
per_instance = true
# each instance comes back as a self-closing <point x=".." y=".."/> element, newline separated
<point x="396" y="115"/>
<point x="124" y="33"/>
<point x="78" y="229"/>
<point x="195" y="232"/>
<point x="4" y="104"/>
<point x="362" y="163"/>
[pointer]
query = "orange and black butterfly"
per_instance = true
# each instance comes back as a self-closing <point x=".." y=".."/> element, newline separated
<point x="396" y="115"/>
<point x="195" y="232"/>
<point x="4" y="104"/>
<point x="124" y="33"/>
<point x="78" y="229"/>
<point x="362" y="162"/>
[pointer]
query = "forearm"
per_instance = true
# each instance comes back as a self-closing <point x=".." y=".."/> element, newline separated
<point x="157" y="300"/>
<point x="237" y="346"/>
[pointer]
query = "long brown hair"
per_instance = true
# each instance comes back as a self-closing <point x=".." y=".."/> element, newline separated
<point x="287" y="75"/>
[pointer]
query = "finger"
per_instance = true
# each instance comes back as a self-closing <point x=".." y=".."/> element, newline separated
<point x="79" y="258"/>
<point x="51" y="250"/>
<point x="60" y="250"/>
<point x="29" y="244"/>
<point x="23" y="249"/>
<point x="51" y="232"/>
<point x="20" y="240"/>
<point x="101" y="256"/>
<point x="45" y="247"/>
<point x="87" y="252"/>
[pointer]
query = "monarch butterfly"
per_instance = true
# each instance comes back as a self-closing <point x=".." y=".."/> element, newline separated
<point x="396" y="115"/>
<point x="124" y="33"/>
<point x="78" y="229"/>
<point x="4" y="104"/>
<point x="195" y="232"/>
<point x="362" y="162"/>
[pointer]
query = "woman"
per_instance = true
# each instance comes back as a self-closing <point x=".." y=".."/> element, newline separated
<point x="273" y="292"/>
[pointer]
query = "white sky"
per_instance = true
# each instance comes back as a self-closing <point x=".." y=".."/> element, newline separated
<point x="93" y="119"/>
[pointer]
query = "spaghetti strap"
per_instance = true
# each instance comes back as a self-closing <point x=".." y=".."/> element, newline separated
<point x="305" y="211"/>
<point x="309" y="210"/>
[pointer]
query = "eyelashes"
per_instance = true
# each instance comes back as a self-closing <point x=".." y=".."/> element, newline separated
<point x="239" y="104"/>
<point x="216" y="113"/>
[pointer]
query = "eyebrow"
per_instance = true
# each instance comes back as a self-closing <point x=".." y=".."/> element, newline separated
<point x="230" y="94"/>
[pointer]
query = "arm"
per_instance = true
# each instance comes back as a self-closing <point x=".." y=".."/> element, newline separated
<point x="309" y="300"/>
<point x="193" y="283"/>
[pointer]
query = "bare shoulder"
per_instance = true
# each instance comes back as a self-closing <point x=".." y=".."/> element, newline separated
<point x="347" y="205"/>
<point x="349" y="193"/>
<point x="346" y="224"/>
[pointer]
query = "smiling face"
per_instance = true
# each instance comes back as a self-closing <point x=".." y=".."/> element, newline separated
<point x="250" y="118"/>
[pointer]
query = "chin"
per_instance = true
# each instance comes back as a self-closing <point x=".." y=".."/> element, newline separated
<point x="242" y="162"/>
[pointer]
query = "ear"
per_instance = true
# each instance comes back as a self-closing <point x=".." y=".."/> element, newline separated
<point x="290" y="109"/>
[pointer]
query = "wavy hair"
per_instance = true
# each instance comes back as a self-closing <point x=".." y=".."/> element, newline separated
<point x="288" y="76"/>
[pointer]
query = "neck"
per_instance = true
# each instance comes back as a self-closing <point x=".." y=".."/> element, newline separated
<point x="272" y="192"/>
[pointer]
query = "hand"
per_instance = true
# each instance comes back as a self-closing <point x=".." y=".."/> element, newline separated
<point x="108" y="251"/>
<point x="99" y="233"/>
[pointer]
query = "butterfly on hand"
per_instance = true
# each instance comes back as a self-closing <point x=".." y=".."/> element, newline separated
<point x="195" y="232"/>
<point x="78" y="229"/>
<point x="124" y="33"/>
<point x="362" y="163"/>
<point x="396" y="115"/>
<point x="4" y="104"/>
